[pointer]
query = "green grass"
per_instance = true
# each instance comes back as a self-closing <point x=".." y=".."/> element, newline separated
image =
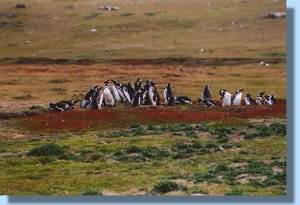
<point x="93" y="164"/>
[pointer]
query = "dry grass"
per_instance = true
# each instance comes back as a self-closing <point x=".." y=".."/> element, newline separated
<point x="231" y="28"/>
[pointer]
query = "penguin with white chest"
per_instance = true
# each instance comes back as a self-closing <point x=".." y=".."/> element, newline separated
<point x="114" y="90"/>
<point x="269" y="99"/>
<point x="105" y="97"/>
<point x="260" y="98"/>
<point x="249" y="100"/>
<point x="226" y="97"/>
<point x="153" y="94"/>
<point x="237" y="97"/>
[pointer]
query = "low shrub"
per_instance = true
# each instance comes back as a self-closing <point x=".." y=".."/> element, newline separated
<point x="46" y="149"/>
<point x="165" y="186"/>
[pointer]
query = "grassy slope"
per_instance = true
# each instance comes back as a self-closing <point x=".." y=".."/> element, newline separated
<point x="177" y="29"/>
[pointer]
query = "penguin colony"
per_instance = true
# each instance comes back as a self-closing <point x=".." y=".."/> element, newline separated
<point x="113" y="92"/>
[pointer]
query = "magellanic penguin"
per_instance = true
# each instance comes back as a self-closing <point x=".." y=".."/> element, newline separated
<point x="130" y="90"/>
<point x="206" y="97"/>
<point x="168" y="95"/>
<point x="260" y="98"/>
<point x="126" y="94"/>
<point x="226" y="97"/>
<point x="138" y="84"/>
<point x="146" y="97"/>
<point x="137" y="98"/>
<point x="182" y="100"/>
<point x="249" y="100"/>
<point x="119" y="88"/>
<point x="114" y="91"/>
<point x="105" y="97"/>
<point x="62" y="106"/>
<point x="153" y="94"/>
<point x="237" y="97"/>
<point x="90" y="97"/>
<point x="269" y="99"/>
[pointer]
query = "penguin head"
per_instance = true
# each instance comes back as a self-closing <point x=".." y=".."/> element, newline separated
<point x="248" y="95"/>
<point x="152" y="83"/>
<point x="273" y="98"/>
<point x="95" y="87"/>
<point x="239" y="90"/>
<point x="261" y="94"/>
<point x="222" y="92"/>
<point x="73" y="102"/>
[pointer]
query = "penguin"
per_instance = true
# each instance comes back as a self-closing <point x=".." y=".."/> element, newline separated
<point x="114" y="91"/>
<point x="269" y="99"/>
<point x="146" y="97"/>
<point x="226" y="97"/>
<point x="182" y="100"/>
<point x="130" y="90"/>
<point x="259" y="98"/>
<point x="62" y="106"/>
<point x="119" y="88"/>
<point x="249" y="100"/>
<point x="206" y="97"/>
<point x="137" y="98"/>
<point x="105" y="97"/>
<point x="126" y="94"/>
<point x="95" y="99"/>
<point x="237" y="97"/>
<point x="137" y="84"/>
<point x="88" y="98"/>
<point x="168" y="95"/>
<point x="153" y="94"/>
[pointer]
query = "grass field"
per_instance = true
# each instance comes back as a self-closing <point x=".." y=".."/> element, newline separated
<point x="48" y="53"/>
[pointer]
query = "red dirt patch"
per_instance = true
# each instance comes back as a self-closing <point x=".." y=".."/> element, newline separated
<point x="115" y="118"/>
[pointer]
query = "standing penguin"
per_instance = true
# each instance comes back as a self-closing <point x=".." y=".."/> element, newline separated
<point x="260" y="98"/>
<point x="105" y="97"/>
<point x="120" y="91"/>
<point x="249" y="100"/>
<point x="137" y="98"/>
<point x="168" y="95"/>
<point x="269" y="99"/>
<point x="130" y="90"/>
<point x="138" y="84"/>
<point x="126" y="93"/>
<point x="114" y="91"/>
<point x="90" y="98"/>
<point x="206" y="97"/>
<point x="146" y="97"/>
<point x="237" y="97"/>
<point x="153" y="94"/>
<point x="226" y="97"/>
